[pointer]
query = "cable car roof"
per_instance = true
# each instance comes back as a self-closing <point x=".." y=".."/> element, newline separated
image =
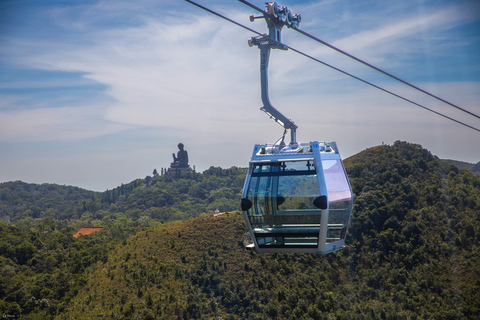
<point x="269" y="152"/>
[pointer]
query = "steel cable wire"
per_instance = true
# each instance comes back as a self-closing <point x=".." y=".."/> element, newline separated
<point x="367" y="64"/>
<point x="344" y="72"/>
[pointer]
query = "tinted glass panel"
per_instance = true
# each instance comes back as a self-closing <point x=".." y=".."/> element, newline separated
<point x="282" y="195"/>
<point x="340" y="199"/>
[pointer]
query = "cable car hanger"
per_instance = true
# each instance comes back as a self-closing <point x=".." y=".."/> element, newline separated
<point x="296" y="198"/>
<point x="295" y="27"/>
<point x="293" y="24"/>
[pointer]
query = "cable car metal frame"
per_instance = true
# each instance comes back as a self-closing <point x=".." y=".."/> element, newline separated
<point x="296" y="198"/>
<point x="268" y="222"/>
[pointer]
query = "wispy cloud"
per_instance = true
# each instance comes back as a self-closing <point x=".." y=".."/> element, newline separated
<point x="191" y="77"/>
<point x="54" y="124"/>
<point x="394" y="33"/>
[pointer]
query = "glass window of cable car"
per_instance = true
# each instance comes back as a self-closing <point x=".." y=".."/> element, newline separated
<point x="339" y="197"/>
<point x="282" y="195"/>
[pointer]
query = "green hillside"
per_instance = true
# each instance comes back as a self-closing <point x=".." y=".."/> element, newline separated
<point x="160" y="198"/>
<point x="412" y="249"/>
<point x="412" y="254"/>
<point x="473" y="168"/>
<point x="42" y="266"/>
<point x="20" y="200"/>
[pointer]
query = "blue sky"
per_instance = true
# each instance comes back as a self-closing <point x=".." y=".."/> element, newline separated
<point x="98" y="93"/>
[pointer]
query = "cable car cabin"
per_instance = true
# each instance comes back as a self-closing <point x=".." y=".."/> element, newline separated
<point x="297" y="199"/>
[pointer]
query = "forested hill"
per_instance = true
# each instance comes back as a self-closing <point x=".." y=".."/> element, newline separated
<point x="42" y="267"/>
<point x="160" y="199"/>
<point x="472" y="167"/>
<point x="412" y="253"/>
<point x="412" y="249"/>
<point x="20" y="200"/>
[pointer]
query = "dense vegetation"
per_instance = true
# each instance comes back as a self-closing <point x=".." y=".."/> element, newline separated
<point x="40" y="272"/>
<point x="472" y="167"/>
<point x="42" y="266"/>
<point x="412" y="251"/>
<point x="161" y="199"/>
<point x="200" y="269"/>
<point x="20" y="200"/>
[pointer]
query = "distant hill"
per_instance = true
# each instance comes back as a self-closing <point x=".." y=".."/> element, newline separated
<point x="161" y="198"/>
<point x="19" y="200"/>
<point x="42" y="265"/>
<point x="412" y="253"/>
<point x="473" y="168"/>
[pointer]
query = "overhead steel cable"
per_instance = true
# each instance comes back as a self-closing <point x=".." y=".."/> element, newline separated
<point x="368" y="64"/>
<point x="386" y="73"/>
<point x="222" y="16"/>
<point x="382" y="89"/>
<point x="337" y="69"/>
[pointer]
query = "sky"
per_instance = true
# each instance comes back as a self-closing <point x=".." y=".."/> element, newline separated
<point x="98" y="93"/>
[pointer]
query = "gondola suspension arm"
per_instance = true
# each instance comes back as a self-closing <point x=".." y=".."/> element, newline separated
<point x="276" y="18"/>
<point x="294" y="25"/>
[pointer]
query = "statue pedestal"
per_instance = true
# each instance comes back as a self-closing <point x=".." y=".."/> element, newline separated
<point x="177" y="169"/>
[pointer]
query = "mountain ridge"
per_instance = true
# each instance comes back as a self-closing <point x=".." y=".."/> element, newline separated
<point x="411" y="248"/>
<point x="471" y="167"/>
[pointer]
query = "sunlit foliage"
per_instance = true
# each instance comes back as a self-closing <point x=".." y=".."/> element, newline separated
<point x="412" y="251"/>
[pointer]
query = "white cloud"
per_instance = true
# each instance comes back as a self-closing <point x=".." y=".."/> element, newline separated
<point x="157" y="73"/>
<point x="54" y="124"/>
<point x="390" y="33"/>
